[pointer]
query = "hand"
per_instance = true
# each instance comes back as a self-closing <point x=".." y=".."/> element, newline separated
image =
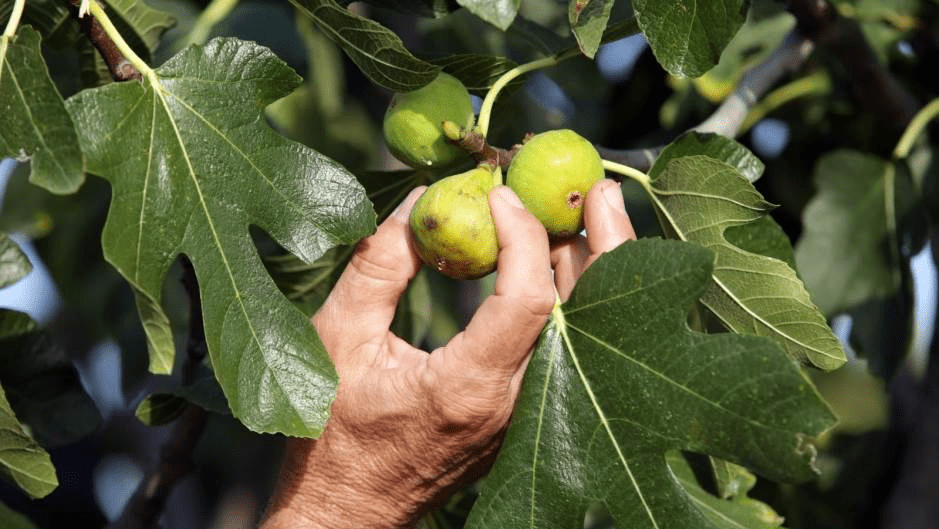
<point x="607" y="225"/>
<point x="408" y="428"/>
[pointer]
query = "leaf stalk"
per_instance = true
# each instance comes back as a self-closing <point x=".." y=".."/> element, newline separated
<point x="486" y="110"/>
<point x="629" y="172"/>
<point x="98" y="12"/>
<point x="15" y="16"/>
<point x="214" y="13"/>
<point x="915" y="128"/>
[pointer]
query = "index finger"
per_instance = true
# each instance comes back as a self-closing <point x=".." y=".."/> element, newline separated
<point x="507" y="324"/>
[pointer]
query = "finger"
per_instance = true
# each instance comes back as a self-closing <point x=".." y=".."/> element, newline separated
<point x="568" y="258"/>
<point x="606" y="220"/>
<point x="505" y="327"/>
<point x="361" y="306"/>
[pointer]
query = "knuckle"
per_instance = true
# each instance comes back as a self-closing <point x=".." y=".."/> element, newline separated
<point x="473" y="405"/>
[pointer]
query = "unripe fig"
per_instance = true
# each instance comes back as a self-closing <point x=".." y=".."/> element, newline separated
<point x="551" y="174"/>
<point x="451" y="224"/>
<point x="413" y="122"/>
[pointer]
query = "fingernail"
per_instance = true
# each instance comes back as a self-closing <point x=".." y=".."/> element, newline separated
<point x="509" y="196"/>
<point x="614" y="196"/>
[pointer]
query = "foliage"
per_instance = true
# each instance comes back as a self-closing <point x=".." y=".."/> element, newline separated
<point x="684" y="382"/>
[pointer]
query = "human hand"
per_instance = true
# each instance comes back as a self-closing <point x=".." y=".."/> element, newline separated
<point x="607" y="226"/>
<point x="407" y="428"/>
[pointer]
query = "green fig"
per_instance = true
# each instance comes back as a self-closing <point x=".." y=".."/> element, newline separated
<point x="551" y="174"/>
<point x="451" y="225"/>
<point x="413" y="122"/>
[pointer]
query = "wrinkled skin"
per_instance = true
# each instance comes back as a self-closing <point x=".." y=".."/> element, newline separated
<point x="552" y="174"/>
<point x="413" y="123"/>
<point x="409" y="428"/>
<point x="452" y="227"/>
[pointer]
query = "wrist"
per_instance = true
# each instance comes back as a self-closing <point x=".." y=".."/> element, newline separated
<point x="319" y="488"/>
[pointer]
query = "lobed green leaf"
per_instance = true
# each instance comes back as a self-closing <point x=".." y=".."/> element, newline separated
<point x="849" y="252"/>
<point x="687" y="37"/>
<point x="618" y="381"/>
<point x="196" y="165"/>
<point x="697" y="199"/>
<point x="36" y="125"/>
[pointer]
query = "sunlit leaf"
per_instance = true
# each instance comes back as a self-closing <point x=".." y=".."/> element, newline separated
<point x="618" y="380"/>
<point x="687" y="37"/>
<point x="35" y="124"/>
<point x="740" y="513"/>
<point x="697" y="199"/>
<point x="196" y="165"/>
<point x="499" y="13"/>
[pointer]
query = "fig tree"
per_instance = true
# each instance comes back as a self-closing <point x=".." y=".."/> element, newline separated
<point x="413" y="122"/>
<point x="551" y="174"/>
<point x="451" y="225"/>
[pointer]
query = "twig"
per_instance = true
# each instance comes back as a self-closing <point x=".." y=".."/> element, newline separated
<point x="730" y="115"/>
<point x="474" y="142"/>
<point x="148" y="501"/>
<point x="121" y="69"/>
<point x="147" y="504"/>
<point x="213" y="13"/>
<point x="787" y="57"/>
<point x="817" y="23"/>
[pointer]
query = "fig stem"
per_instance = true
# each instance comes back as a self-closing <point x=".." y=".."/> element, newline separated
<point x="473" y="142"/>
<point x="628" y="171"/>
<point x="214" y="13"/>
<point x="98" y="12"/>
<point x="486" y="109"/>
<point x="913" y="130"/>
<point x="14" y="18"/>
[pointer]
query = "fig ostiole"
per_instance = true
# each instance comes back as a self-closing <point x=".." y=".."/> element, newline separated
<point x="551" y="174"/>
<point x="413" y="123"/>
<point x="451" y="225"/>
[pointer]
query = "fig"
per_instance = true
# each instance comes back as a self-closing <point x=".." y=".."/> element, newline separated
<point x="551" y="174"/>
<point x="451" y="225"/>
<point x="413" y="123"/>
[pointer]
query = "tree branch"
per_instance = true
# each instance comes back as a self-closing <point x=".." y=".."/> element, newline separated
<point x="475" y="143"/>
<point x="786" y="58"/>
<point x="121" y="69"/>
<point x="144" y="508"/>
<point x="817" y="23"/>
<point x="730" y="115"/>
